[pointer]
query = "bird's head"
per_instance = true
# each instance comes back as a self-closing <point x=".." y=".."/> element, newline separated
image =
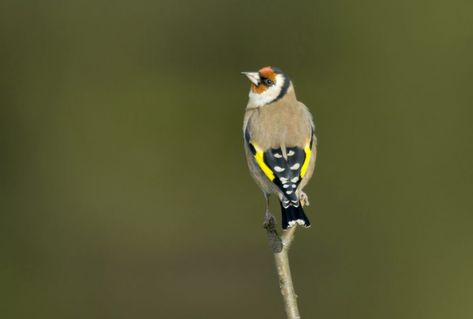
<point x="267" y="85"/>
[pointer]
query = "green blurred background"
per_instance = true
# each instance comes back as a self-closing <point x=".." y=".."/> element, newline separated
<point x="124" y="192"/>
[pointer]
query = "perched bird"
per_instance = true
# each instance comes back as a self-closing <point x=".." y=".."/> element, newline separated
<point x="280" y="144"/>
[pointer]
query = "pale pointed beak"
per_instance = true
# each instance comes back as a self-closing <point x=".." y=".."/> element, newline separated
<point x="253" y="77"/>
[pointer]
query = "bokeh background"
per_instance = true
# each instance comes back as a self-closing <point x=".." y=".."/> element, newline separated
<point x="124" y="192"/>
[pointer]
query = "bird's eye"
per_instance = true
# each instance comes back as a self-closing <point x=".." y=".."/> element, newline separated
<point x="268" y="82"/>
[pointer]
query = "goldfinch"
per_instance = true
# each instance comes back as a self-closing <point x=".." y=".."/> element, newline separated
<point x="279" y="142"/>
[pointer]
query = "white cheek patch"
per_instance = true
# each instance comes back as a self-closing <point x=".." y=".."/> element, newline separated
<point x="270" y="94"/>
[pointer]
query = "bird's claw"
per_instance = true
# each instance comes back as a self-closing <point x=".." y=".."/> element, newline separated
<point x="275" y="241"/>
<point x="269" y="221"/>
<point x="304" y="199"/>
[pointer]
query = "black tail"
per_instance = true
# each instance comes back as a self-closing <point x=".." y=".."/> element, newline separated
<point x="293" y="215"/>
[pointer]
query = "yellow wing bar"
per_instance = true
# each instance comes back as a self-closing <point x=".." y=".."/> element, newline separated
<point x="267" y="170"/>
<point x="259" y="159"/>
<point x="305" y="166"/>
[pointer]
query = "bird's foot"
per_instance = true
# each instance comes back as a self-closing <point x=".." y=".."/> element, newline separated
<point x="275" y="241"/>
<point x="269" y="221"/>
<point x="304" y="199"/>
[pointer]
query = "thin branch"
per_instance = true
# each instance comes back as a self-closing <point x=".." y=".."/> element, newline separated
<point x="280" y="246"/>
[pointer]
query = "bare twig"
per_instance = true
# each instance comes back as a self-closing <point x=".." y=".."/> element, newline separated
<point x="280" y="246"/>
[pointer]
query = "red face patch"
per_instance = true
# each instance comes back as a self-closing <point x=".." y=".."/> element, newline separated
<point x="259" y="88"/>
<point x="267" y="72"/>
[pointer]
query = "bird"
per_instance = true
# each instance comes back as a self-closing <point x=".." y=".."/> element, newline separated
<point x="280" y="144"/>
